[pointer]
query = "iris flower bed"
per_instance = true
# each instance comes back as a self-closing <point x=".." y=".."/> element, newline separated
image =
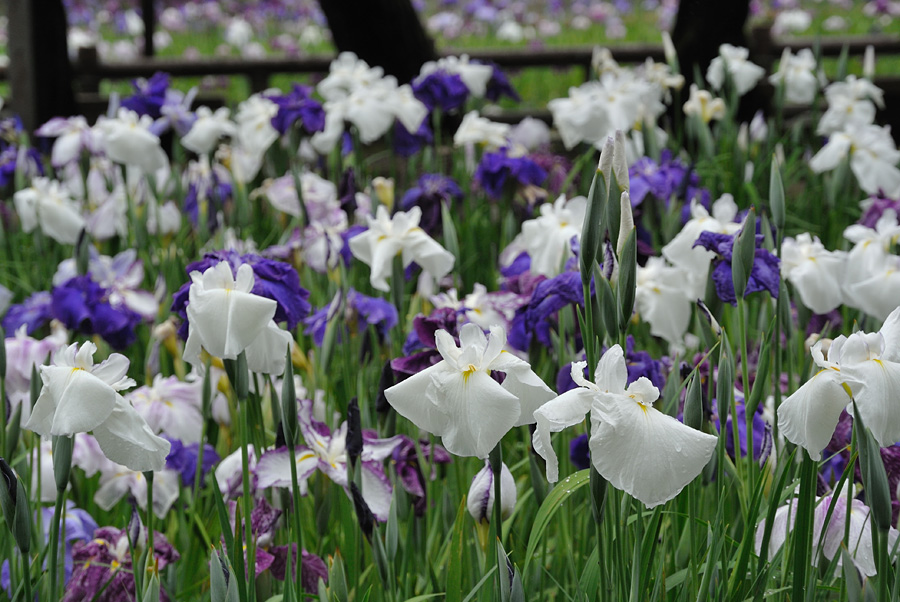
<point x="320" y="346"/>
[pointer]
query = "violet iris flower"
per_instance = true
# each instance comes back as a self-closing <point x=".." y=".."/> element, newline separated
<point x="441" y="90"/>
<point x="406" y="143"/>
<point x="496" y="168"/>
<point x="405" y="459"/>
<point x="420" y="349"/>
<point x="298" y="105"/>
<point x="550" y="296"/>
<point x="149" y="95"/>
<point x="764" y="275"/>
<point x="580" y="452"/>
<point x="34" y="312"/>
<point x="183" y="459"/>
<point x="499" y="85"/>
<point x="272" y="279"/>
<point x="84" y="306"/>
<point x="762" y="431"/>
<point x="874" y="208"/>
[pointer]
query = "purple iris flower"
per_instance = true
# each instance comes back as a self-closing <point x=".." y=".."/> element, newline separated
<point x="670" y="178"/>
<point x="762" y="431"/>
<point x="499" y="85"/>
<point x="272" y="279"/>
<point x="420" y="349"/>
<point x="406" y="143"/>
<point x="34" y="312"/>
<point x="496" y="168"/>
<point x="183" y="458"/>
<point x="534" y="320"/>
<point x="373" y="311"/>
<point x="9" y="158"/>
<point x="312" y="568"/>
<point x="580" y="452"/>
<point x="637" y="363"/>
<point x="441" y="90"/>
<point x="429" y="194"/>
<point x="298" y="105"/>
<point x="104" y="563"/>
<point x="149" y="95"/>
<point x="84" y="306"/>
<point x="764" y="275"/>
<point x="79" y="526"/>
<point x="406" y="463"/>
<point x="876" y="207"/>
<point x="520" y="265"/>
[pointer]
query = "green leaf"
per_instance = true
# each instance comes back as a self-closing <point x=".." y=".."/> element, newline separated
<point x="455" y="567"/>
<point x="591" y="230"/>
<point x="776" y="196"/>
<point x="743" y="252"/>
<point x="555" y="499"/>
<point x="151" y="592"/>
<point x="693" y="404"/>
<point x="289" y="403"/>
<point x="337" y="579"/>
<point x="851" y="577"/>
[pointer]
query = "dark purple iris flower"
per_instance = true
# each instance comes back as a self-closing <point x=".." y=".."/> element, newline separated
<point x="637" y="363"/>
<point x="34" y="312"/>
<point x="298" y="105"/>
<point x="274" y="280"/>
<point x="370" y="310"/>
<point x="183" y="458"/>
<point x="420" y="349"/>
<point x="668" y="179"/>
<point x="149" y="95"/>
<point x="764" y="275"/>
<point x="440" y="90"/>
<point x="312" y="568"/>
<point x="84" y="306"/>
<point x="429" y="194"/>
<point x="407" y="144"/>
<point x="9" y="157"/>
<point x="534" y="320"/>
<point x="104" y="563"/>
<point x="406" y="463"/>
<point x="496" y="168"/>
<point x="499" y="85"/>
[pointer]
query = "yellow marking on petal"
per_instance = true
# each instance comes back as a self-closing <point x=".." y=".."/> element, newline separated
<point x="847" y="389"/>
<point x="877" y="361"/>
<point x="469" y="371"/>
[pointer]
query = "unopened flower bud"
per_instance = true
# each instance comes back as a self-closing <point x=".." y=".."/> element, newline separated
<point x="481" y="494"/>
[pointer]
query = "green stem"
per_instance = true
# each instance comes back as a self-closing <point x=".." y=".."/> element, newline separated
<point x="247" y="500"/>
<point x="54" y="545"/>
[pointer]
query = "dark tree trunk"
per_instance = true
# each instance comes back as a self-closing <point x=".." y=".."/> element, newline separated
<point x="39" y="67"/>
<point x="387" y="33"/>
<point x="700" y="28"/>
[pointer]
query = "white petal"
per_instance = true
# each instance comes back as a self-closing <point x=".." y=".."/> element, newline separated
<point x="647" y="454"/>
<point x="83" y="400"/>
<point x="809" y="416"/>
<point x="557" y="414"/>
<point x="409" y="399"/>
<point x="890" y="330"/>
<point x="611" y="373"/>
<point x="126" y="438"/>
<point x="877" y="398"/>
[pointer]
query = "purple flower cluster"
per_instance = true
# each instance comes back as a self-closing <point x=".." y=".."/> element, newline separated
<point x="668" y="179"/>
<point x="764" y="275"/>
<point x="149" y="95"/>
<point x="272" y="279"/>
<point x="103" y="566"/>
<point x="84" y="306"/>
<point x="535" y="319"/>
<point x="497" y="168"/>
<point x="298" y="105"/>
<point x="441" y="90"/>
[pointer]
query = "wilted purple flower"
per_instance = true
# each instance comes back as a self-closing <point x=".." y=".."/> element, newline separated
<point x="406" y="463"/>
<point x="33" y="313"/>
<point x="298" y="105"/>
<point x="272" y="279"/>
<point x="183" y="458"/>
<point x="373" y="311"/>
<point x="104" y="564"/>
<point x="429" y="194"/>
<point x="312" y="568"/>
<point x="149" y="95"/>
<point x="496" y="168"/>
<point x="441" y="90"/>
<point x="764" y="275"/>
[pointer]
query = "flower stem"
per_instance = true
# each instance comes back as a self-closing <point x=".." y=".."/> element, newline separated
<point x="54" y="546"/>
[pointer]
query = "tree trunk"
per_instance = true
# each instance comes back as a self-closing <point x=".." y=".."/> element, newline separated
<point x="39" y="68"/>
<point x="387" y="33"/>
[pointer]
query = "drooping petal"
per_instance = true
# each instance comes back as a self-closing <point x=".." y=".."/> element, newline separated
<point x="410" y="400"/>
<point x="567" y="410"/>
<point x="376" y="489"/>
<point x="611" y="373"/>
<point x="126" y="438"/>
<point x="274" y="468"/>
<point x="809" y="416"/>
<point x="877" y="397"/>
<point x="481" y="412"/>
<point x="890" y="330"/>
<point x="647" y="454"/>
